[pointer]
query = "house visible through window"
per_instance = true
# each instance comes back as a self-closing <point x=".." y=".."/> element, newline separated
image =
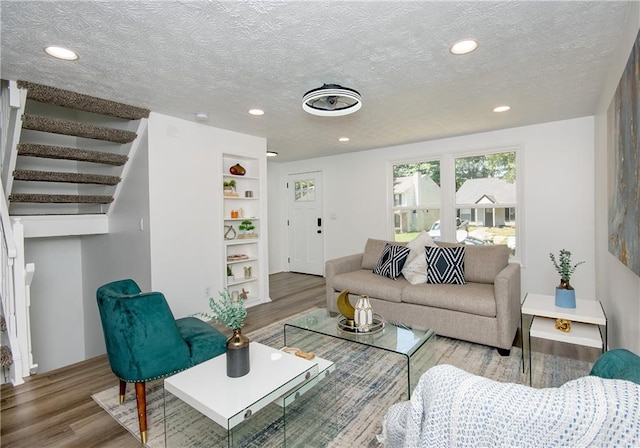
<point x="486" y="198"/>
<point x="416" y="198"/>
<point x="483" y="209"/>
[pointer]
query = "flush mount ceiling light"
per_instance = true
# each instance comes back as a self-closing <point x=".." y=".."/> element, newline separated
<point x="272" y="154"/>
<point x="202" y="116"/>
<point x="464" y="46"/>
<point x="331" y="100"/>
<point x="256" y="112"/>
<point x="501" y="108"/>
<point x="61" y="53"/>
<point x="343" y="139"/>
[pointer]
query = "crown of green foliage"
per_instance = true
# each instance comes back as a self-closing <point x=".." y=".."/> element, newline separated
<point x="227" y="311"/>
<point x="563" y="264"/>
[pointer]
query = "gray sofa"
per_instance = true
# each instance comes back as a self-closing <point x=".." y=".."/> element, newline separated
<point x="485" y="310"/>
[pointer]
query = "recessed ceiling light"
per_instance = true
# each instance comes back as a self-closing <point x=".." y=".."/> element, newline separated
<point x="501" y="108"/>
<point x="256" y="111"/>
<point x="343" y="139"/>
<point x="464" y="46"/>
<point x="272" y="154"/>
<point x="202" y="116"/>
<point x="61" y="53"/>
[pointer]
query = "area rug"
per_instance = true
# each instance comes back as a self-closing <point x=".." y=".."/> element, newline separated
<point x="366" y="381"/>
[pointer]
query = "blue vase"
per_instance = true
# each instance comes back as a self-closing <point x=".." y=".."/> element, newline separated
<point x="565" y="298"/>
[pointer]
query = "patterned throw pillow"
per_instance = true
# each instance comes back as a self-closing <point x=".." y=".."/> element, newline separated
<point x="445" y="265"/>
<point x="391" y="261"/>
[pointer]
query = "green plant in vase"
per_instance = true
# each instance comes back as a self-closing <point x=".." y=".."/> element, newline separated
<point x="247" y="226"/>
<point x="565" y="294"/>
<point x="564" y="267"/>
<point x="229" y="186"/>
<point x="232" y="313"/>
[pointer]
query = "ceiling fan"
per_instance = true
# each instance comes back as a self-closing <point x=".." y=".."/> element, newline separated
<point x="331" y="100"/>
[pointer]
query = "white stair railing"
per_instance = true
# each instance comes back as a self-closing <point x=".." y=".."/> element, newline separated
<point x="12" y="106"/>
<point x="15" y="282"/>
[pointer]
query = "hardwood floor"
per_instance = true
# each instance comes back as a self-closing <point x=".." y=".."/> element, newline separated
<point x="55" y="409"/>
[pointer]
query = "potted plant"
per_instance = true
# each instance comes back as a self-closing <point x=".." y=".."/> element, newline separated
<point x="229" y="187"/>
<point x="565" y="294"/>
<point x="246" y="227"/>
<point x="229" y="274"/>
<point x="232" y="312"/>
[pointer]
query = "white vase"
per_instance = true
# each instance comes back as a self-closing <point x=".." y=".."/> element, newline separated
<point x="363" y="314"/>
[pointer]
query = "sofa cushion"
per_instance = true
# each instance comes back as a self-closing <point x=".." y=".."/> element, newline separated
<point x="445" y="265"/>
<point x="472" y="298"/>
<point x="483" y="263"/>
<point x="415" y="268"/>
<point x="372" y="251"/>
<point x="391" y="261"/>
<point x="365" y="282"/>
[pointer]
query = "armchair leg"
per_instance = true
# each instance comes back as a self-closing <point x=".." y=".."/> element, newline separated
<point x="123" y="389"/>
<point x="141" y="400"/>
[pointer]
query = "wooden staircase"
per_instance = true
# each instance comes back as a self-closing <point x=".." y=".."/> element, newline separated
<point x="72" y="151"/>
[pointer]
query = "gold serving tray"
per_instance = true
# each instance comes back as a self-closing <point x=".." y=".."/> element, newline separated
<point x="349" y="326"/>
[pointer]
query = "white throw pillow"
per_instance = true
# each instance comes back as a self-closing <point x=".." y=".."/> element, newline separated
<point x="415" y="268"/>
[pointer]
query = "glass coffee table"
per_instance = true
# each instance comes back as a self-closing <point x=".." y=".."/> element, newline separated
<point x="414" y="345"/>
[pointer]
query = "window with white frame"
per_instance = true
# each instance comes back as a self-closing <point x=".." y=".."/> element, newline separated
<point x="417" y="198"/>
<point x="482" y="208"/>
<point x="486" y="198"/>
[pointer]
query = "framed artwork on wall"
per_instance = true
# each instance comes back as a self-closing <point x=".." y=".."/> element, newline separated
<point x="623" y="129"/>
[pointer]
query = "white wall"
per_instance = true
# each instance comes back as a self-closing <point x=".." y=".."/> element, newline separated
<point x="185" y="208"/>
<point x="123" y="252"/>
<point x="617" y="285"/>
<point x="56" y="301"/>
<point x="558" y="196"/>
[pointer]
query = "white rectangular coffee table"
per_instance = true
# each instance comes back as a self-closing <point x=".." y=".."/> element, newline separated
<point x="234" y="403"/>
<point x="586" y="318"/>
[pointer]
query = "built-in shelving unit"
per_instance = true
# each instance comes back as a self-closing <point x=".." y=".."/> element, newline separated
<point x="243" y="248"/>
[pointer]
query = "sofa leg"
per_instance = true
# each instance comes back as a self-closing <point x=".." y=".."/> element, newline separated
<point x="503" y="351"/>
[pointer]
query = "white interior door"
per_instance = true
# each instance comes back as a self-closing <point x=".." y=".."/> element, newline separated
<point x="306" y="232"/>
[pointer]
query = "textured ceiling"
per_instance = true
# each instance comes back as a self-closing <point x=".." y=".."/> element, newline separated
<point x="548" y="60"/>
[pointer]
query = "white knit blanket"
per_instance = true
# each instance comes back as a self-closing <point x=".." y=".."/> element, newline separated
<point x="453" y="408"/>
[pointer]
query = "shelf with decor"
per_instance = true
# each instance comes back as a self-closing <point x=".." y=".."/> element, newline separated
<point x="242" y="208"/>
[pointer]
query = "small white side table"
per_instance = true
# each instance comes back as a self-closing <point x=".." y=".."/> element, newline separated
<point x="587" y="320"/>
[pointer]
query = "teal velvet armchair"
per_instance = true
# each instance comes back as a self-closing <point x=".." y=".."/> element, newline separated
<point x="144" y="342"/>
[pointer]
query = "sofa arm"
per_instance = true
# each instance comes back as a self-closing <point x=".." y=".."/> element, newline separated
<point x="507" y="294"/>
<point x="337" y="266"/>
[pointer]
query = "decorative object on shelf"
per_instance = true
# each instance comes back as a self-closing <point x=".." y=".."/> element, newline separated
<point x="232" y="314"/>
<point x="563" y="325"/>
<point x="237" y="170"/>
<point x="229" y="274"/>
<point x="247" y="227"/>
<point x="248" y="194"/>
<point x="237" y="257"/>
<point x="229" y="233"/>
<point x="244" y="295"/>
<point x="565" y="294"/>
<point x="345" y="307"/>
<point x="234" y="214"/>
<point x="247" y="272"/>
<point x="241" y="213"/>
<point x="363" y="314"/>
<point x="229" y="188"/>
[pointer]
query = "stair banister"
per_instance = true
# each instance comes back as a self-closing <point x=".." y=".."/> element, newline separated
<point x="14" y="109"/>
